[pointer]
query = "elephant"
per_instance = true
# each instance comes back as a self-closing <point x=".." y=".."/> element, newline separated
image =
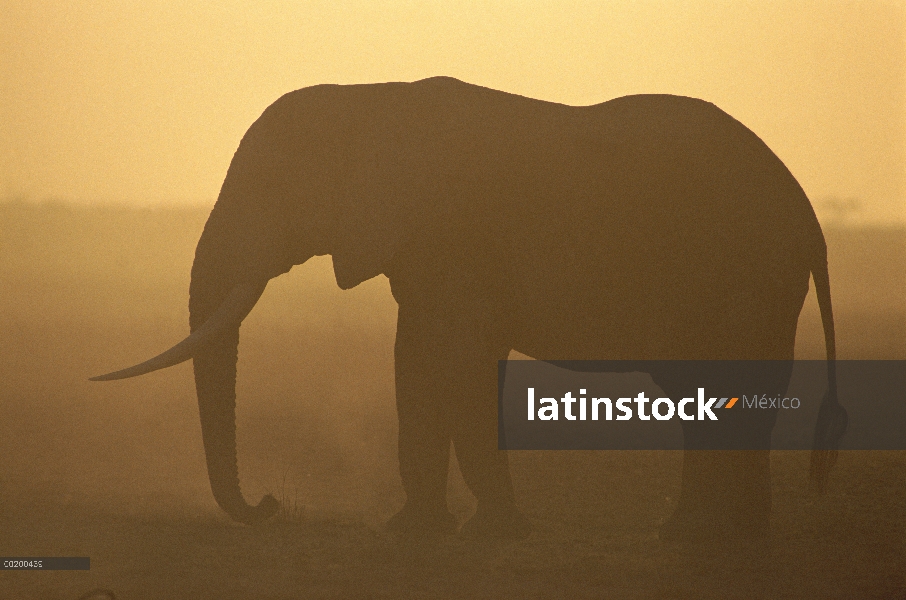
<point x="647" y="227"/>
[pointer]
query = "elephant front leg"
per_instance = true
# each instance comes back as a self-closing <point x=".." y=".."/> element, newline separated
<point x="484" y="467"/>
<point x="424" y="430"/>
<point x="446" y="389"/>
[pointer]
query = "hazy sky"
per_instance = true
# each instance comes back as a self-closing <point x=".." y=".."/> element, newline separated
<point x="146" y="101"/>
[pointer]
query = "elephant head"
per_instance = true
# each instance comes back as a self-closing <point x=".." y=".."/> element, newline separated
<point x="320" y="172"/>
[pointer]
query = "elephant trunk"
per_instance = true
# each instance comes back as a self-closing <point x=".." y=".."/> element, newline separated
<point x="214" y="276"/>
<point x="215" y="382"/>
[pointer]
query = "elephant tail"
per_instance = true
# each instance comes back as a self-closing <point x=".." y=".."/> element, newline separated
<point x="832" y="417"/>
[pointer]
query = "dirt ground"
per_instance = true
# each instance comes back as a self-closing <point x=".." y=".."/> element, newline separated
<point x="115" y="471"/>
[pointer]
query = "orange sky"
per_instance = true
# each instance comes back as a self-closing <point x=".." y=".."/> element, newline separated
<point x="146" y="101"/>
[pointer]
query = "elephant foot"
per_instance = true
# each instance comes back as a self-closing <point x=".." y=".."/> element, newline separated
<point x="701" y="527"/>
<point x="415" y="521"/>
<point x="498" y="523"/>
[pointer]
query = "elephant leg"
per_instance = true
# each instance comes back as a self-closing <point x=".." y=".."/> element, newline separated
<point x="446" y="386"/>
<point x="424" y="430"/>
<point x="726" y="492"/>
<point x="484" y="467"/>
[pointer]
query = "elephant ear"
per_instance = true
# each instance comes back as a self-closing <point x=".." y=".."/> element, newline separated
<point x="368" y="235"/>
<point x="373" y="206"/>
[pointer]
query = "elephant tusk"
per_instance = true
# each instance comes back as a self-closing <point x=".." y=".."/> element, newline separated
<point x="230" y="313"/>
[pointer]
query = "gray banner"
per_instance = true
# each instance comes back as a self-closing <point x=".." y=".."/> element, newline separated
<point x="719" y="405"/>
<point x="45" y="563"/>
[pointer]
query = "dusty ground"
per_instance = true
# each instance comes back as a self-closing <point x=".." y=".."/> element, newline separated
<point x="115" y="471"/>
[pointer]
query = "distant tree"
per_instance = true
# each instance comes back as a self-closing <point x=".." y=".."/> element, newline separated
<point x="837" y="210"/>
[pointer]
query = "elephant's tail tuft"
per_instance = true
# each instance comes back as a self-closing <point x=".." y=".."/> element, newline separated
<point x="832" y="417"/>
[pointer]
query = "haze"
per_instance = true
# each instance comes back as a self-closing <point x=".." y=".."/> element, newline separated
<point x="115" y="108"/>
<point x="145" y="103"/>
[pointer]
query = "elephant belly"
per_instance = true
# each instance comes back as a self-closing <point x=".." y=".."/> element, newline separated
<point x="733" y="312"/>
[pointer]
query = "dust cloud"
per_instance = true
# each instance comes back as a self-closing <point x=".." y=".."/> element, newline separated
<point x="116" y="471"/>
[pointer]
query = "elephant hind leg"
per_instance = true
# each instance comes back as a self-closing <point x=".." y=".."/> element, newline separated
<point x="725" y="494"/>
<point x="726" y="478"/>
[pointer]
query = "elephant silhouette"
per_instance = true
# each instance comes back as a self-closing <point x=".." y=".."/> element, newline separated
<point x="648" y="227"/>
